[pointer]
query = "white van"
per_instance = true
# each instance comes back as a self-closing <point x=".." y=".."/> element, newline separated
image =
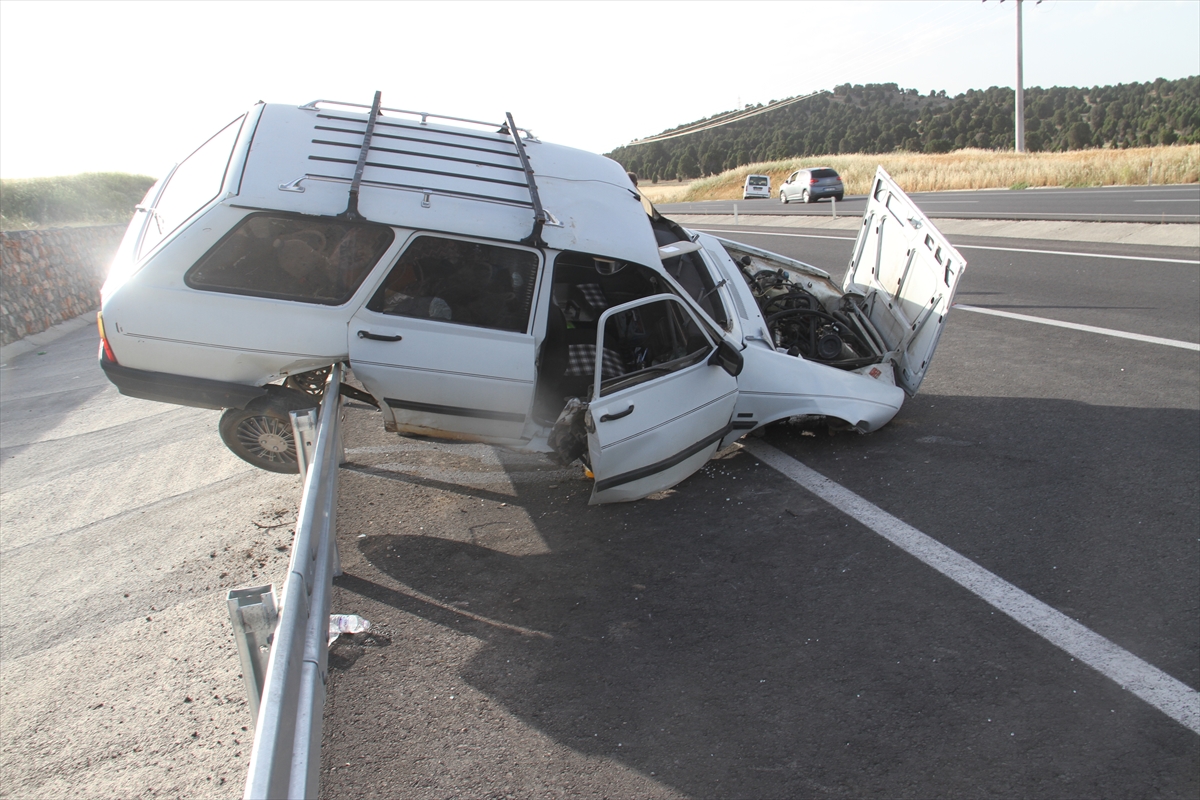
<point x="757" y="186"/>
<point x="485" y="285"/>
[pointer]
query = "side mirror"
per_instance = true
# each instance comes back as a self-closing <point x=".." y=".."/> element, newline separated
<point x="727" y="358"/>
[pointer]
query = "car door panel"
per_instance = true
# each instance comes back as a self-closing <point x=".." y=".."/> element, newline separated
<point x="446" y="340"/>
<point x="445" y="379"/>
<point x="652" y="428"/>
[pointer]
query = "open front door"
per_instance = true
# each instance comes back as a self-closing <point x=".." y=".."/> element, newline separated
<point x="908" y="273"/>
<point x="661" y="401"/>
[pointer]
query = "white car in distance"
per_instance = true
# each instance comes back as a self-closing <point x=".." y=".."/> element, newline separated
<point x="487" y="286"/>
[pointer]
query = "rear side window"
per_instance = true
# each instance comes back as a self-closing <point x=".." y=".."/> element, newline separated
<point x="824" y="173"/>
<point x="309" y="259"/>
<point x="467" y="283"/>
<point x="194" y="184"/>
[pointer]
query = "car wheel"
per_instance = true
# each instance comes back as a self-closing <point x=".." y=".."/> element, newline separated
<point x="261" y="433"/>
<point x="805" y="197"/>
<point x="837" y="197"/>
<point x="782" y="197"/>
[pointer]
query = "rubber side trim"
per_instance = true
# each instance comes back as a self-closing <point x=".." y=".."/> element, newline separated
<point x="665" y="464"/>
<point x="454" y="411"/>
<point x="180" y="390"/>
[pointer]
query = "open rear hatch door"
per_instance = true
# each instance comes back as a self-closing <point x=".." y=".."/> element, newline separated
<point x="906" y="274"/>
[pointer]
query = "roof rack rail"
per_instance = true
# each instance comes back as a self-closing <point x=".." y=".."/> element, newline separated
<point x="351" y="212"/>
<point x="315" y="105"/>
<point x="490" y="166"/>
<point x="534" y="239"/>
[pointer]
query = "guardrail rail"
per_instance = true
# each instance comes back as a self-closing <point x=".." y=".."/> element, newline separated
<point x="285" y="761"/>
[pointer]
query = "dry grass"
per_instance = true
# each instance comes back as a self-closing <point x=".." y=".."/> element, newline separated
<point x="966" y="169"/>
<point x="664" y="191"/>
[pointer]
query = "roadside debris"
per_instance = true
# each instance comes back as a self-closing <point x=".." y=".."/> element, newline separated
<point x="346" y="623"/>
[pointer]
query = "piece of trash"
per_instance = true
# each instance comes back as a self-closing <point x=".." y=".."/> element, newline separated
<point x="362" y="536"/>
<point x="346" y="623"/>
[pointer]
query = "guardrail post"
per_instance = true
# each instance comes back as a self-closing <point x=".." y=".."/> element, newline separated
<point x="304" y="431"/>
<point x="253" y="612"/>
<point x="735" y="214"/>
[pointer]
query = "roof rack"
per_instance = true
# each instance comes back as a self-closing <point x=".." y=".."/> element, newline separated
<point x="315" y="105"/>
<point x="431" y="159"/>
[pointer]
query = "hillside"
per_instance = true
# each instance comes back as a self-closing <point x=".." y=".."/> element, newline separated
<point x="89" y="198"/>
<point x="882" y="118"/>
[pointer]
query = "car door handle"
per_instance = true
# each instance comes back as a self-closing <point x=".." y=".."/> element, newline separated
<point x="379" y="337"/>
<point x="625" y="413"/>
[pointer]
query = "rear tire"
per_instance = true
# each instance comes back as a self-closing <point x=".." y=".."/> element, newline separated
<point x="837" y="197"/>
<point x="805" y="197"/>
<point x="261" y="433"/>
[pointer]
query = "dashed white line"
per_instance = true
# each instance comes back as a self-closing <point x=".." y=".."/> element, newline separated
<point x="1170" y="696"/>
<point x="1139" y="337"/>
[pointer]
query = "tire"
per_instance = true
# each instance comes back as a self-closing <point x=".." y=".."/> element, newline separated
<point x="805" y="197"/>
<point x="782" y="197"/>
<point x="837" y="197"/>
<point x="261" y="433"/>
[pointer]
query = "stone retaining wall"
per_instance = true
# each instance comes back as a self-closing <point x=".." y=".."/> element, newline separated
<point x="49" y="276"/>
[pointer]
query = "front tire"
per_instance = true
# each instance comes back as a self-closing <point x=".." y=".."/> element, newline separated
<point x="261" y="433"/>
<point x="783" y="198"/>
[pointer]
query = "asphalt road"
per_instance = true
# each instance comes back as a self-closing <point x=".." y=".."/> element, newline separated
<point x="1104" y="204"/>
<point x="122" y="525"/>
<point x="740" y="637"/>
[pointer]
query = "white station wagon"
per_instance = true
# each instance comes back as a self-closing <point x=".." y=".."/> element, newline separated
<point x="487" y="286"/>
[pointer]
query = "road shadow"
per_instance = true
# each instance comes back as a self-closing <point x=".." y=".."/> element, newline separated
<point x="739" y="638"/>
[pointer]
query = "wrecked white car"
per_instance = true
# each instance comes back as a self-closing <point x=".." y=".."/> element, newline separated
<point x="488" y="286"/>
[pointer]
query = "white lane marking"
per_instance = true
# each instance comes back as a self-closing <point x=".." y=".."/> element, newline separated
<point x="1172" y="200"/>
<point x="1172" y="697"/>
<point x="971" y="247"/>
<point x="1081" y="255"/>
<point x="943" y="202"/>
<point x="1077" y="327"/>
<point x="763" y="233"/>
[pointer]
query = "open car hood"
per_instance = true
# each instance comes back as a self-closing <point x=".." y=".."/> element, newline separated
<point x="906" y="272"/>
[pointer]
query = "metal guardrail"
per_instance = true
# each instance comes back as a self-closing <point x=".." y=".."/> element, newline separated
<point x="286" y="759"/>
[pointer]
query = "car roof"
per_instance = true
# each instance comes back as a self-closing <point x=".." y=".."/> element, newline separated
<point x="458" y="179"/>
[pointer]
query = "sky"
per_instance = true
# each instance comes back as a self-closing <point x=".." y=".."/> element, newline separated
<point x="134" y="87"/>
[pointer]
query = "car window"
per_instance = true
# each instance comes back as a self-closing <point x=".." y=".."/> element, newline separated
<point x="824" y="173"/>
<point x="309" y="259"/>
<point x="648" y="341"/>
<point x="463" y="282"/>
<point x="193" y="185"/>
<point x="758" y="180"/>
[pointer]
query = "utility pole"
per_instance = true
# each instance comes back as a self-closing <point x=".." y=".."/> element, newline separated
<point x="1020" y="89"/>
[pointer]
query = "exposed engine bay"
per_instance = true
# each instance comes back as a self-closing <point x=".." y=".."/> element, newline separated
<point x="806" y="314"/>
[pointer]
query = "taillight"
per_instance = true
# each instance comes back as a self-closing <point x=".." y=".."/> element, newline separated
<point x="814" y="180"/>
<point x="106" y="350"/>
